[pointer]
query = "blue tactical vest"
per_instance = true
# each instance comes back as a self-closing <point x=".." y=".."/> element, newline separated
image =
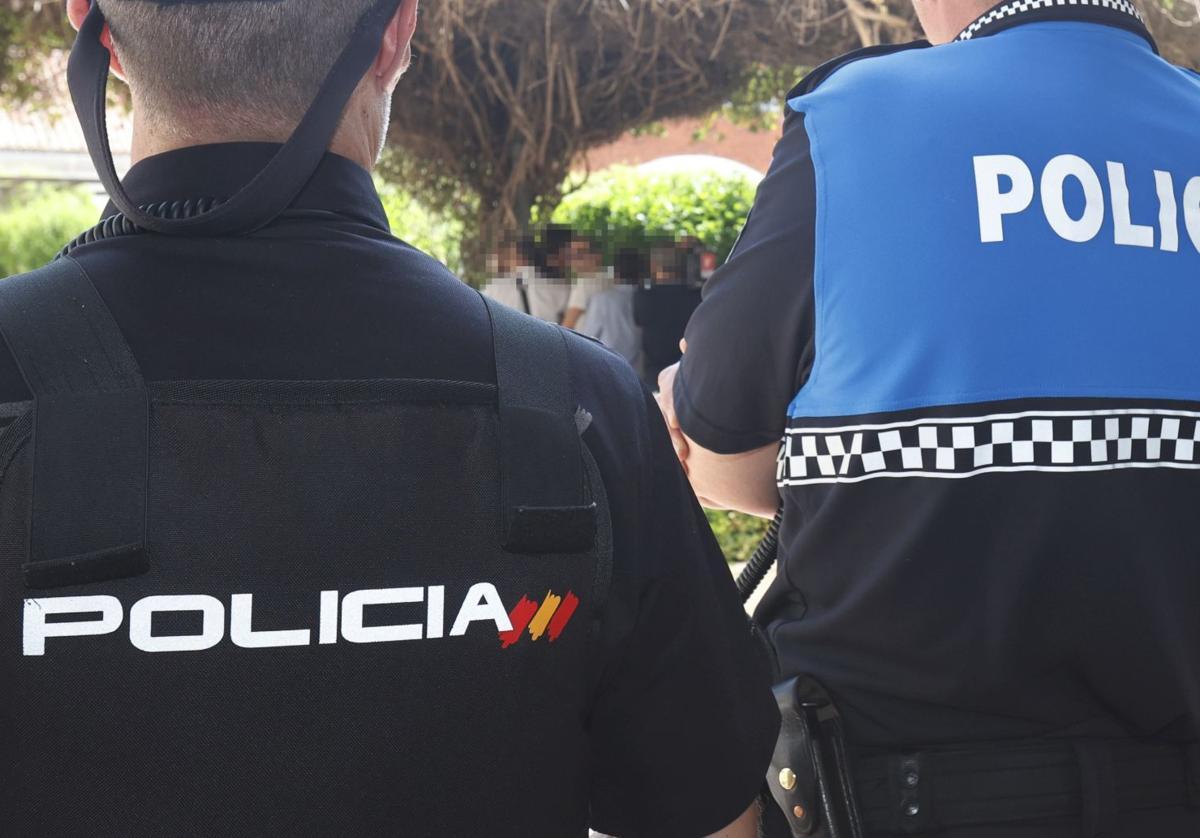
<point x="1009" y="236"/>
<point x="992" y="473"/>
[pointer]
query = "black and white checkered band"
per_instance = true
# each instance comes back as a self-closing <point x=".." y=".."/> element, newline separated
<point x="1006" y="13"/>
<point x="1066" y="441"/>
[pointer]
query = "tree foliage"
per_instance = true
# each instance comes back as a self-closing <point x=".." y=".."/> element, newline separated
<point x="506" y="95"/>
<point x="1176" y="25"/>
<point x="29" y="32"/>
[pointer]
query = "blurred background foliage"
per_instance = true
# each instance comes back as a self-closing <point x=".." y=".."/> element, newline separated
<point x="35" y="223"/>
<point x="436" y="232"/>
<point x="739" y="535"/>
<point x="625" y="208"/>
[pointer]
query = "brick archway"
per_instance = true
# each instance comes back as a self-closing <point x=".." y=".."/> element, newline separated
<point x="722" y="139"/>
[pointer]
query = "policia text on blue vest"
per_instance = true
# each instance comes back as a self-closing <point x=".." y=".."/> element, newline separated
<point x="1006" y="186"/>
<point x="968" y="364"/>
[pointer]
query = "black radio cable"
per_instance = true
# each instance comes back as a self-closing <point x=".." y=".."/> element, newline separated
<point x="118" y="226"/>
<point x="764" y="558"/>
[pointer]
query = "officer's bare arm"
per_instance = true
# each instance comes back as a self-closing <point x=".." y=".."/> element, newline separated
<point x="744" y="827"/>
<point x="743" y="482"/>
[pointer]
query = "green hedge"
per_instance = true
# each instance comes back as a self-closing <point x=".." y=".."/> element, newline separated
<point x="624" y="208"/>
<point x="739" y="535"/>
<point x="36" y="222"/>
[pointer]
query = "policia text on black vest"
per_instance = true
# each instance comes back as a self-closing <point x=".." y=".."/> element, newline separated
<point x="300" y="537"/>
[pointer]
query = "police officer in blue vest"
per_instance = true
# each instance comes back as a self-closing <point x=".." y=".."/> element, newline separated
<point x="966" y="301"/>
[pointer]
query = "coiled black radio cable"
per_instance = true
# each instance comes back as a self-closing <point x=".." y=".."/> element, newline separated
<point x="762" y="561"/>
<point x="118" y="226"/>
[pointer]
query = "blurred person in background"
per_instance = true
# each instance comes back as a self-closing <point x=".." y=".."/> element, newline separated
<point x="589" y="277"/>
<point x="609" y="316"/>
<point x="517" y="284"/>
<point x="508" y="280"/>
<point x="662" y="308"/>
<point x="552" y="261"/>
<point x="693" y="254"/>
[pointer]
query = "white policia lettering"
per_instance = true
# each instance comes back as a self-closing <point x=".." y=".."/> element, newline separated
<point x="98" y="615"/>
<point x="998" y="199"/>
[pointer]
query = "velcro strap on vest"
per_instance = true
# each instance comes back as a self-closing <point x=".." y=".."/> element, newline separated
<point x="544" y="505"/>
<point x="91" y="429"/>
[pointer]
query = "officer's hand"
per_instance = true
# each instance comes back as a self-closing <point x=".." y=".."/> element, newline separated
<point x="666" y="403"/>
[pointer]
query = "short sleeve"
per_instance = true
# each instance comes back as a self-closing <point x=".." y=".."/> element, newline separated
<point x="584" y="289"/>
<point x="751" y="343"/>
<point x="684" y="723"/>
<point x="581" y="295"/>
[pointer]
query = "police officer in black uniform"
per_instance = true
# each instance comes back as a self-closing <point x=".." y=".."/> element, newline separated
<point x="965" y="300"/>
<point x="298" y="535"/>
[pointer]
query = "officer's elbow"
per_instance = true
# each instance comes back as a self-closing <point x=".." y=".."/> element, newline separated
<point x="741" y="482"/>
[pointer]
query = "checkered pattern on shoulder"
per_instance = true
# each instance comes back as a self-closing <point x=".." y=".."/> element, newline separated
<point x="966" y="447"/>
<point x="1017" y="7"/>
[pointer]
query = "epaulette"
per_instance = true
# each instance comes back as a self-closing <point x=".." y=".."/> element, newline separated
<point x="818" y="76"/>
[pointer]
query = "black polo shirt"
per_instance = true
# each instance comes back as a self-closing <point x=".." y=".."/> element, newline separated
<point x="683" y="726"/>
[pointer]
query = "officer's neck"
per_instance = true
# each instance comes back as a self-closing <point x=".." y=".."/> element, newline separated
<point x="355" y="140"/>
<point x="944" y="20"/>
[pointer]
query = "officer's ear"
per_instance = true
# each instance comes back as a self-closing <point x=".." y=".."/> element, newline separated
<point x="77" y="10"/>
<point x="396" y="52"/>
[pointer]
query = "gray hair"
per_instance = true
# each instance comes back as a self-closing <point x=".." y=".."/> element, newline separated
<point x="257" y="63"/>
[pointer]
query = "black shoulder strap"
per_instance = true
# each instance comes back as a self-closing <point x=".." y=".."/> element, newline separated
<point x="820" y="75"/>
<point x="524" y="291"/>
<point x="543" y="495"/>
<point x="91" y="424"/>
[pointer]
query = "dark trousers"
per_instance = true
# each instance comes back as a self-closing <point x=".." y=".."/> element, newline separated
<point x="1148" y="823"/>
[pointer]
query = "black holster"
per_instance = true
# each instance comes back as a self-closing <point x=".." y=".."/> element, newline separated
<point x="810" y="775"/>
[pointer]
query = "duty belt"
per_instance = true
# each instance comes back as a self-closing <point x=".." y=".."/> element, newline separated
<point x="1006" y="783"/>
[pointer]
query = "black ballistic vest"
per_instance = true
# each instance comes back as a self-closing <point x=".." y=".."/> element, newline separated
<point x="291" y="608"/>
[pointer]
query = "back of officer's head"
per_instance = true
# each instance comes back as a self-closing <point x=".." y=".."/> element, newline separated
<point x="253" y="66"/>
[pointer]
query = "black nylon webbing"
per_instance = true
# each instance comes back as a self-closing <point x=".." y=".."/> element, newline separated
<point x="275" y="187"/>
<point x="543" y="499"/>
<point x="91" y="422"/>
